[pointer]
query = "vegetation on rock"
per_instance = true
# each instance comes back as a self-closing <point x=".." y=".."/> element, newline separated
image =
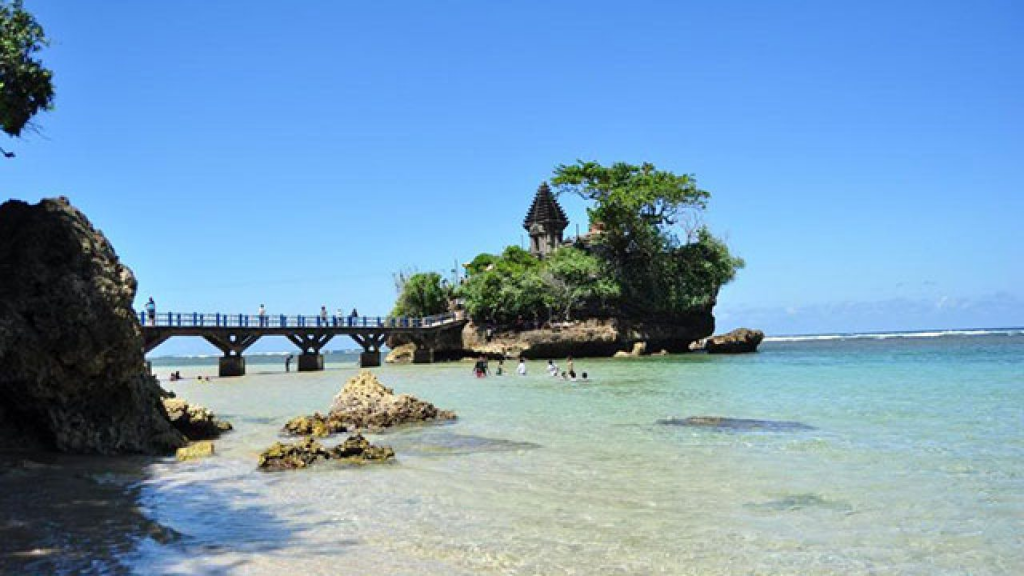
<point x="648" y="256"/>
<point x="420" y="294"/>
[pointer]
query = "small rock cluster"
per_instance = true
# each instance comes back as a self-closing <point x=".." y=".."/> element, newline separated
<point x="316" y="425"/>
<point x="354" y="449"/>
<point x="366" y="403"/>
<point x="193" y="420"/>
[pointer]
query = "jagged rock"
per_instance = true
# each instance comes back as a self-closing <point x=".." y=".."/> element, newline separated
<point x="195" y="450"/>
<point x="401" y="354"/>
<point x="316" y="425"/>
<point x="194" y="421"/>
<point x="366" y="403"/>
<point x="736" y="342"/>
<point x="355" y="449"/>
<point x="73" y="375"/>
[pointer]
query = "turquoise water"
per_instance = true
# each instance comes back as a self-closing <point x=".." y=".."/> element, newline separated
<point x="911" y="462"/>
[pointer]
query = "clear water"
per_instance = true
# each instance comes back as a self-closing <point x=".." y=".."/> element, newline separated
<point x="913" y="464"/>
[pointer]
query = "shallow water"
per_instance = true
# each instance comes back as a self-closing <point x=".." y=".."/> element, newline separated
<point x="897" y="456"/>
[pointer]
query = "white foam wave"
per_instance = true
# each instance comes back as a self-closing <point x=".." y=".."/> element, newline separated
<point x="888" y="335"/>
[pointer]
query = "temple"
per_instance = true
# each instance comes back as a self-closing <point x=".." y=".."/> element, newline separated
<point x="545" y="222"/>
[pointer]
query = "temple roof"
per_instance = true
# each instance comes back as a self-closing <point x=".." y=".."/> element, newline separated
<point x="545" y="209"/>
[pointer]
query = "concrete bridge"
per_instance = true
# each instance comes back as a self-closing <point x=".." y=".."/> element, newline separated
<point x="233" y="333"/>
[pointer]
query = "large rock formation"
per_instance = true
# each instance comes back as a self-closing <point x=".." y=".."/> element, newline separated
<point x="736" y="342"/>
<point x="366" y="403"/>
<point x="73" y="375"/>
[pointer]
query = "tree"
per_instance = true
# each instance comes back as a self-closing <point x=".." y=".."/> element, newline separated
<point x="419" y="295"/>
<point x="577" y="281"/>
<point x="26" y="87"/>
<point x="641" y="211"/>
<point x="502" y="288"/>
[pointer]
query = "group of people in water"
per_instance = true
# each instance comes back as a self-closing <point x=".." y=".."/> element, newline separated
<point x="482" y="368"/>
<point x="176" y="375"/>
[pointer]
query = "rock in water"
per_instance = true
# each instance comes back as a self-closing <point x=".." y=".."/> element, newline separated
<point x="402" y="354"/>
<point x="736" y="342"/>
<point x="366" y="403"/>
<point x="193" y="420"/>
<point x="195" y="450"/>
<point x="355" y="449"/>
<point x="315" y="425"/>
<point x="73" y="375"/>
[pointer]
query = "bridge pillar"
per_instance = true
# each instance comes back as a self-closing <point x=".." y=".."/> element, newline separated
<point x="369" y="359"/>
<point x="231" y="366"/>
<point x="311" y="362"/>
<point x="423" y="356"/>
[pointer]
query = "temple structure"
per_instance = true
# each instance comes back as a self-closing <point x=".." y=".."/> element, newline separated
<point x="545" y="222"/>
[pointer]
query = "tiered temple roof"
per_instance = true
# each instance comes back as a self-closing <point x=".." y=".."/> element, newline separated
<point x="545" y="210"/>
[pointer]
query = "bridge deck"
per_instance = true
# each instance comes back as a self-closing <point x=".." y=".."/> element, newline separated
<point x="234" y="333"/>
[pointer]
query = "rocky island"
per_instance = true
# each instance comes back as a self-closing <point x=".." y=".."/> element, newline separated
<point x="638" y="281"/>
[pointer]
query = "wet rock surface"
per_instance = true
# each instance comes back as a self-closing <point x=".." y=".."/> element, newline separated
<point x="402" y="354"/>
<point x="366" y="403"/>
<point x="195" y="450"/>
<point x="74" y="377"/>
<point x="739" y="341"/>
<point x="722" y="423"/>
<point x="193" y="420"/>
<point x="316" y="425"/>
<point x="355" y="449"/>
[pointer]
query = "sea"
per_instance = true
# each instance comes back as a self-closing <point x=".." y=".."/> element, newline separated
<point x="887" y="453"/>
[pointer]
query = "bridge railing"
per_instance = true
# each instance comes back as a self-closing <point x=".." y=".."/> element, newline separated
<point x="222" y="320"/>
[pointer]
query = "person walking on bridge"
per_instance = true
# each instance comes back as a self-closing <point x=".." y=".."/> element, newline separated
<point x="263" y="316"/>
<point x="151" y="311"/>
<point x="323" y="316"/>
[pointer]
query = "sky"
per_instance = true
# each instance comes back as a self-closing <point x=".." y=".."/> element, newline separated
<point x="866" y="159"/>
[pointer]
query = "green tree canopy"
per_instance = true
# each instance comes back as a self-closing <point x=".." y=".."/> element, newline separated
<point x="577" y="281"/>
<point x="421" y="294"/>
<point x="26" y="87"/>
<point x="640" y="210"/>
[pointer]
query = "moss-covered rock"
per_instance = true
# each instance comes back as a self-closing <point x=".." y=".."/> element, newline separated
<point x="195" y="450"/>
<point x="354" y="449"/>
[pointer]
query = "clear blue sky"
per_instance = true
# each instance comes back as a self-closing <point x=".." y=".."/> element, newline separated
<point x="865" y="158"/>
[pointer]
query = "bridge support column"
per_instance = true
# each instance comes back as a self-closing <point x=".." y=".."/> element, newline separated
<point x="311" y="342"/>
<point x="232" y="343"/>
<point x="231" y="366"/>
<point x="311" y="362"/>
<point x="423" y="356"/>
<point x="371" y="343"/>
<point x="369" y="359"/>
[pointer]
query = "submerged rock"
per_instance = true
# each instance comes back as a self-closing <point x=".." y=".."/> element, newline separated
<point x="73" y="375"/>
<point x="366" y="403"/>
<point x="738" y="341"/>
<point x="355" y="449"/>
<point x="193" y="420"/>
<point x="734" y="423"/>
<point x="316" y="425"/>
<point x="195" y="450"/>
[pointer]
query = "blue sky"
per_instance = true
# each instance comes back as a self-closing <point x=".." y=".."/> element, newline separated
<point x="865" y="158"/>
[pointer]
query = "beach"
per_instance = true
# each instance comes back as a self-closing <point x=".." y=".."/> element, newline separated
<point x="856" y="455"/>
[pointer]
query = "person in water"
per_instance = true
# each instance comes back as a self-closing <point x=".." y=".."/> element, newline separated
<point x="552" y="368"/>
<point x="501" y="367"/>
<point x="480" y="368"/>
<point x="521" y="369"/>
<point x="572" y="375"/>
<point x="583" y="376"/>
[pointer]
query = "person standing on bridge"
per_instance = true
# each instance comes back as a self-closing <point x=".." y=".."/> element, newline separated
<point x="151" y="311"/>
<point x="323" y="315"/>
<point x="263" y="316"/>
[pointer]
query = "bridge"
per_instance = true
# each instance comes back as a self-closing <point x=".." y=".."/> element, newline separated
<point x="232" y="334"/>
